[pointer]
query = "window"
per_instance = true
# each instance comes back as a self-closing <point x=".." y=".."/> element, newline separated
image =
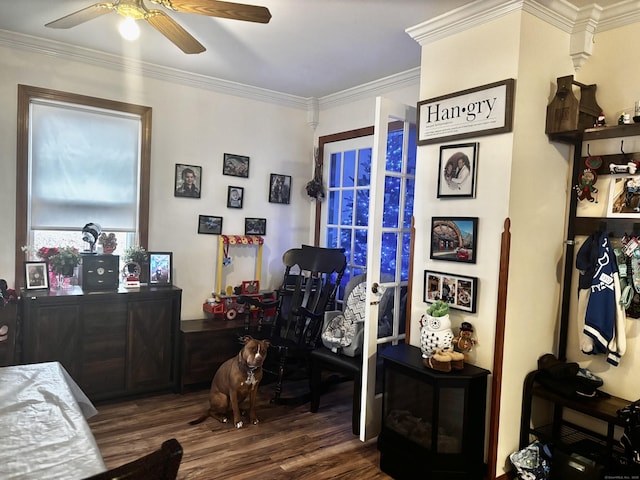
<point x="80" y="160"/>
<point x="347" y="206"/>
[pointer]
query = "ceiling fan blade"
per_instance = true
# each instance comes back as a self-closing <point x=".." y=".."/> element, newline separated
<point x="216" y="8"/>
<point x="81" y="16"/>
<point x="174" y="32"/>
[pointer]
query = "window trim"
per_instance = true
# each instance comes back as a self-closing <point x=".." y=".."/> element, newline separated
<point x="336" y="137"/>
<point x="28" y="93"/>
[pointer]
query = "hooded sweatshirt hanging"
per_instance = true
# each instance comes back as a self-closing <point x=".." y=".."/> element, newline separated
<point x="599" y="307"/>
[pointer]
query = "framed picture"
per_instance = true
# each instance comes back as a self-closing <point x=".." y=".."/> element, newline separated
<point x="279" y="188"/>
<point x="188" y="181"/>
<point x="484" y="110"/>
<point x="454" y="239"/>
<point x="36" y="275"/>
<point x="235" y="165"/>
<point x="255" y="226"/>
<point x="624" y="196"/>
<point x="458" y="291"/>
<point x="160" y="264"/>
<point x="457" y="177"/>
<point x="235" y="196"/>
<point x="209" y="224"/>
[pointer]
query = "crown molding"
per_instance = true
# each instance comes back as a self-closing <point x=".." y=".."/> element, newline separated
<point x="371" y="89"/>
<point x="581" y="24"/>
<point x="136" y="67"/>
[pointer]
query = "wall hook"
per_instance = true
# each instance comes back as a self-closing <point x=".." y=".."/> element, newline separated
<point x="588" y="150"/>
<point x="621" y="149"/>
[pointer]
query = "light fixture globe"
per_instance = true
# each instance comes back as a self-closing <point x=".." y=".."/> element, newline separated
<point x="129" y="29"/>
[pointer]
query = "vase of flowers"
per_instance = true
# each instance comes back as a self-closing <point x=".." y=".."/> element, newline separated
<point x="62" y="263"/>
<point x="109" y="242"/>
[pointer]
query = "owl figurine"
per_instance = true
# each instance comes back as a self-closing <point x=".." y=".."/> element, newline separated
<point x="435" y="334"/>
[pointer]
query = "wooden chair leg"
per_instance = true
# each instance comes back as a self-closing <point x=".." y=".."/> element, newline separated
<point x="315" y="376"/>
<point x="278" y="391"/>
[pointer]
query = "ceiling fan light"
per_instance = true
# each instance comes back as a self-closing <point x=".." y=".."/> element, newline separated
<point x="129" y="29"/>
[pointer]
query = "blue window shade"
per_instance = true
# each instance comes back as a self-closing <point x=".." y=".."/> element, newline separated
<point x="84" y="167"/>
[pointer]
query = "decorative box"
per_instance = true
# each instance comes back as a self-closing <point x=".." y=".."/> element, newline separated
<point x="100" y="272"/>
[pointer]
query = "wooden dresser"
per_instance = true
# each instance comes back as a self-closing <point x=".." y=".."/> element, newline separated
<point x="113" y="344"/>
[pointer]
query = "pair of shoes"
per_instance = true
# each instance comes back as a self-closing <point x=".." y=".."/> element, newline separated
<point x="444" y="361"/>
<point x="457" y="359"/>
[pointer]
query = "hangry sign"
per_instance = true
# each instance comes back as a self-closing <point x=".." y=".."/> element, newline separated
<point x="485" y="110"/>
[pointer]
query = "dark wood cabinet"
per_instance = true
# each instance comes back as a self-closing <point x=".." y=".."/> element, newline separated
<point x="433" y="423"/>
<point x="207" y="344"/>
<point x="113" y="344"/>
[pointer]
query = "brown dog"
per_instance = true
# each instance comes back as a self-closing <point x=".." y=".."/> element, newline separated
<point x="236" y="379"/>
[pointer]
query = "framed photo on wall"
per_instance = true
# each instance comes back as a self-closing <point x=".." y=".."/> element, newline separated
<point x="160" y="264"/>
<point x="454" y="239"/>
<point x="624" y="196"/>
<point x="255" y="226"/>
<point x="458" y="291"/>
<point x="188" y="181"/>
<point x="279" y="188"/>
<point x="209" y="224"/>
<point x="235" y="197"/>
<point x="457" y="177"/>
<point x="36" y="275"/>
<point x="235" y="165"/>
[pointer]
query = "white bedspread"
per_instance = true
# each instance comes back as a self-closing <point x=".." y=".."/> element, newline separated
<point x="43" y="425"/>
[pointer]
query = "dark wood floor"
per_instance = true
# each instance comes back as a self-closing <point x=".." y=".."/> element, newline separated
<point x="288" y="443"/>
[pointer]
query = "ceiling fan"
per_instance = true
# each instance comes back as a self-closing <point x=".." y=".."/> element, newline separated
<point x="162" y="22"/>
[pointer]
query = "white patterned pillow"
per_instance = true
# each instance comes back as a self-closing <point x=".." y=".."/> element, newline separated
<point x="341" y="330"/>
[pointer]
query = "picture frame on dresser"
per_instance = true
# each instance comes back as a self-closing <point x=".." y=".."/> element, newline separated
<point x="36" y="275"/>
<point x="160" y="269"/>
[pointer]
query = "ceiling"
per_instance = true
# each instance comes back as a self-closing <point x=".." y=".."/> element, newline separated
<point x="310" y="48"/>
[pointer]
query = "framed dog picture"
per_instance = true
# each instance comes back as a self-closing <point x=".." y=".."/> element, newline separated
<point x="209" y="225"/>
<point x="454" y="239"/>
<point x="255" y="226"/>
<point x="235" y="165"/>
<point x="36" y="275"/>
<point x="458" y="291"/>
<point x="160" y="264"/>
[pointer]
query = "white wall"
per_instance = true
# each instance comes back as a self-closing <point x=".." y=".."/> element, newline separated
<point x="521" y="176"/>
<point x="190" y="125"/>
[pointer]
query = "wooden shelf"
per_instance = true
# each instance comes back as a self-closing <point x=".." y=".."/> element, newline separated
<point x="614" y="131"/>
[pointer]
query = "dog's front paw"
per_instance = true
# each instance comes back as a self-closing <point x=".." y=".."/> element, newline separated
<point x="239" y="424"/>
<point x="255" y="421"/>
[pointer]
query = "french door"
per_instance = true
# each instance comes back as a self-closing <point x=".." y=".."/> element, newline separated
<point x="369" y="209"/>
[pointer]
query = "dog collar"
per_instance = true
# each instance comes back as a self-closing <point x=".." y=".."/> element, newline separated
<point x="251" y="379"/>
